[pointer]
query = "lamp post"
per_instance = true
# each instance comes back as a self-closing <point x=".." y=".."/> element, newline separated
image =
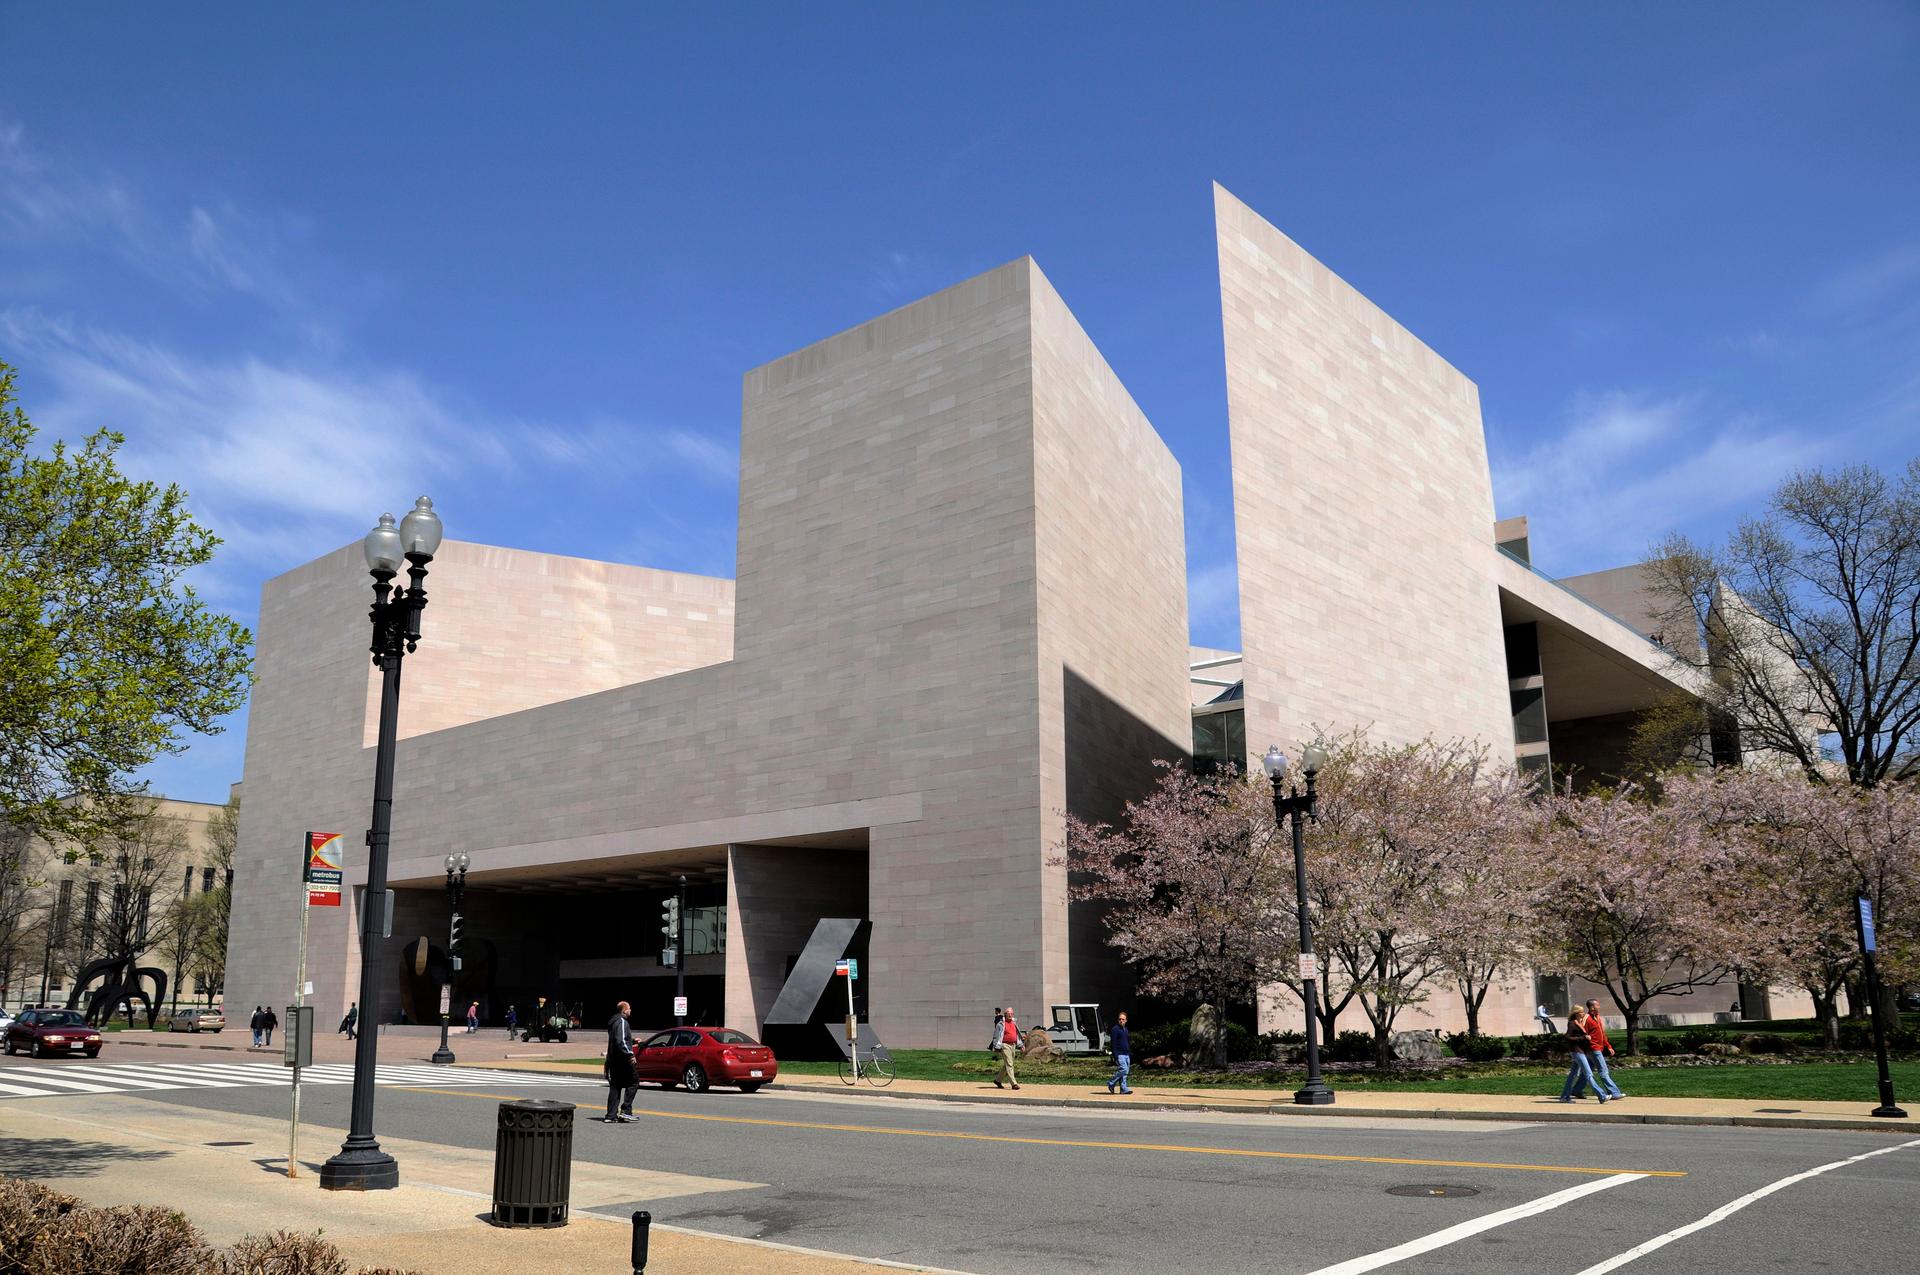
<point x="1301" y="805"/>
<point x="456" y="886"/>
<point x="360" y="1164"/>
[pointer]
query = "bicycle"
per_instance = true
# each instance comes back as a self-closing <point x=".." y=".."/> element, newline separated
<point x="876" y="1067"/>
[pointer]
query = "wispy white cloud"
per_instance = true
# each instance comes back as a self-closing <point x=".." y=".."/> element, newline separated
<point x="1213" y="603"/>
<point x="1625" y="470"/>
<point x="284" y="458"/>
<point x="1864" y="286"/>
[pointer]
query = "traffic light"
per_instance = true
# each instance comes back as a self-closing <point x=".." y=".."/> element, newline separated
<point x="670" y="925"/>
<point x="456" y="938"/>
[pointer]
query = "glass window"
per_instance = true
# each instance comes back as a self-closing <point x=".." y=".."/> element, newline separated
<point x="728" y="1036"/>
<point x="659" y="1040"/>
<point x="682" y="1039"/>
<point x="1523" y="650"/>
<point x="1219" y="739"/>
<point x="1529" y="716"/>
<point x="61" y="1018"/>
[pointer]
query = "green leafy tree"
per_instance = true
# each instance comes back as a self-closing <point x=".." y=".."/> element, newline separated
<point x="111" y="658"/>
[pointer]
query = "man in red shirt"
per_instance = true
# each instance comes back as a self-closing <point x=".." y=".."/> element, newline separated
<point x="1004" y="1042"/>
<point x="1597" y="1034"/>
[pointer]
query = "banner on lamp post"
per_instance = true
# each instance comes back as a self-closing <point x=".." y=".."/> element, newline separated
<point x="325" y="860"/>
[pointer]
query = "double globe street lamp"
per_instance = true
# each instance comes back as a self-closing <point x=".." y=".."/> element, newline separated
<point x="360" y="1164"/>
<point x="456" y="886"/>
<point x="1301" y="806"/>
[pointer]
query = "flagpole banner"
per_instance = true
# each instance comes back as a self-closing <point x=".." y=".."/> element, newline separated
<point x="325" y="859"/>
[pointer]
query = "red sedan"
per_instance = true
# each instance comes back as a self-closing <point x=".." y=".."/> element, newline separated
<point x="53" y="1032"/>
<point x="699" y="1056"/>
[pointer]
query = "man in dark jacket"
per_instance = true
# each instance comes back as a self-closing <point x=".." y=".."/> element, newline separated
<point x="268" y="1022"/>
<point x="352" y="1019"/>
<point x="1120" y="1041"/>
<point x="622" y="1080"/>
<point x="254" y="1024"/>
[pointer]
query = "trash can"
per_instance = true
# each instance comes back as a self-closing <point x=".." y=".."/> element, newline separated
<point x="533" y="1163"/>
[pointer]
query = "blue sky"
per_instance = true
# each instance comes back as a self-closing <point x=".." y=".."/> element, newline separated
<point x="314" y="261"/>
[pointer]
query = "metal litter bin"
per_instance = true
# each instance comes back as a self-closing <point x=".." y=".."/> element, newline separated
<point x="533" y="1163"/>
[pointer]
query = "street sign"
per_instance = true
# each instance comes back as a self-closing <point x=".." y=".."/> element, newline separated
<point x="840" y="968"/>
<point x="1866" y="925"/>
<point x="321" y="869"/>
<point x="679" y="1007"/>
<point x="1309" y="966"/>
<point x="446" y="999"/>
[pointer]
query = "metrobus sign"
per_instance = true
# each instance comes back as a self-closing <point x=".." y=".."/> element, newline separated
<point x="322" y="868"/>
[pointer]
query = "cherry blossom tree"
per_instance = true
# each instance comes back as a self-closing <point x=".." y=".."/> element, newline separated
<point x="1812" y="851"/>
<point x="1641" y="901"/>
<point x="1198" y="887"/>
<point x="1415" y="850"/>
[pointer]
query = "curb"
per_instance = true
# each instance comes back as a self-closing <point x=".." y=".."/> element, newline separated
<point x="1277" y="1107"/>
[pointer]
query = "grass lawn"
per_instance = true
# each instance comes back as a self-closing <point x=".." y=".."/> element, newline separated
<point x="1805" y="1081"/>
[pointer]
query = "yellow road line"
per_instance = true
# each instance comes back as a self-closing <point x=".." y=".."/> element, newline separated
<point x="1076" y="1142"/>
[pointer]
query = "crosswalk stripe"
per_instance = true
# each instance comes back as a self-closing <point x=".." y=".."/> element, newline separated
<point x="34" y="1076"/>
<point x="66" y="1079"/>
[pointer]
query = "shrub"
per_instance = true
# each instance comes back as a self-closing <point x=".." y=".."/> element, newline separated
<point x="1859" y="1036"/>
<point x="1766" y="1043"/>
<point x="1351" y="1046"/>
<point x="1161" y="1038"/>
<point x="1548" y="1045"/>
<point x="1477" y="1048"/>
<point x="1662" y="1046"/>
<point x="1694" y="1038"/>
<point x="283" y="1253"/>
<point x="131" y="1239"/>
<point x="27" y="1212"/>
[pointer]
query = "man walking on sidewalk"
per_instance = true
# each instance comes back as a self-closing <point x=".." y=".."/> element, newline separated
<point x="351" y="1021"/>
<point x="268" y="1021"/>
<point x="622" y="1080"/>
<point x="1006" y="1039"/>
<point x="254" y="1024"/>
<point x="1120" y="1041"/>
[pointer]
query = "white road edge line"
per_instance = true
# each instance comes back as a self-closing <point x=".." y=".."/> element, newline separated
<point x="1727" y="1210"/>
<point x="1473" y="1226"/>
<point x="775" y="1245"/>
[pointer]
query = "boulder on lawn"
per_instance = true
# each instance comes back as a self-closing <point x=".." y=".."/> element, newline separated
<point x="1039" y="1046"/>
<point x="1200" y="1032"/>
<point x="1419" y="1046"/>
<point x="1160" y="1062"/>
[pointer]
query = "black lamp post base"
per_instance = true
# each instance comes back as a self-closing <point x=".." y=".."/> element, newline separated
<point x="1890" y="1112"/>
<point x="362" y="1169"/>
<point x="442" y="1055"/>
<point x="1314" y="1094"/>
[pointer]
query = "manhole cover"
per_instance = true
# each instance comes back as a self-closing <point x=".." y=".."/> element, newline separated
<point x="1434" y="1191"/>
<point x="1778" y="1111"/>
<point x="228" y="1144"/>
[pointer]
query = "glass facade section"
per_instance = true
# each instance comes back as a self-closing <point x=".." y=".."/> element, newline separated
<point x="1529" y="716"/>
<point x="1219" y="739"/>
<point x="1523" y="650"/>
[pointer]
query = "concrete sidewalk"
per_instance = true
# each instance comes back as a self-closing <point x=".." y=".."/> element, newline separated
<point x="398" y="1044"/>
<point x="227" y="1173"/>
<point x="1753" y="1113"/>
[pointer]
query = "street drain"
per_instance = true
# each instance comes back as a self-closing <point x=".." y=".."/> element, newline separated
<point x="1778" y="1111"/>
<point x="1434" y="1192"/>
<point x="227" y="1144"/>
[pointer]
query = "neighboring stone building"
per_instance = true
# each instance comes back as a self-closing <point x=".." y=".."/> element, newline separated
<point x="122" y="891"/>
<point x="960" y="614"/>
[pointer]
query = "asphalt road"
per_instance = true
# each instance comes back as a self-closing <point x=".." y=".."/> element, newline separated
<point x="991" y="1189"/>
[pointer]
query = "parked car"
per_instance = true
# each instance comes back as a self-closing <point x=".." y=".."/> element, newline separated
<point x="48" y="1033"/>
<point x="699" y="1056"/>
<point x="199" y="1020"/>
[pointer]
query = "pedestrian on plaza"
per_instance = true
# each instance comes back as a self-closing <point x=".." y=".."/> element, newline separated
<point x="1120" y="1041"/>
<point x="352" y="1020"/>
<point x="1597" y="1059"/>
<point x="622" y="1080"/>
<point x="473" y="1018"/>
<point x="1580" y="1072"/>
<point x="1005" y="1040"/>
<point x="513" y="1021"/>
<point x="254" y="1023"/>
<point x="268" y="1022"/>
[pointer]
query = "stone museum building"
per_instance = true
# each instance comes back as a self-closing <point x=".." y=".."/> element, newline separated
<point x="960" y="612"/>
